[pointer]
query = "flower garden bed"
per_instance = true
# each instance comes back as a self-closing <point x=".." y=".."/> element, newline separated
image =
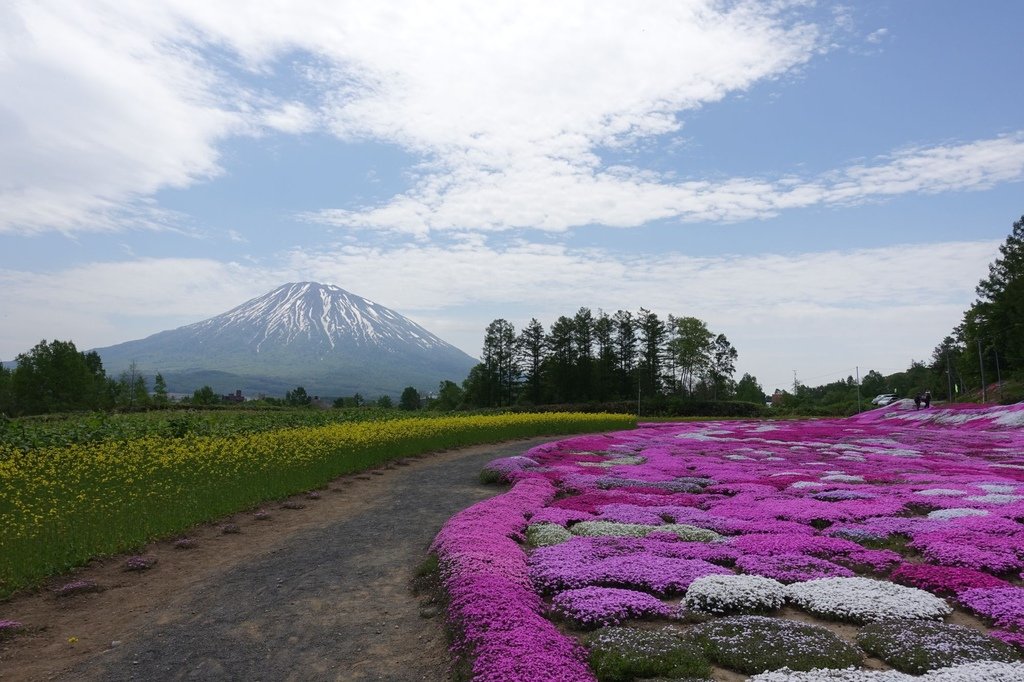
<point x="636" y="554"/>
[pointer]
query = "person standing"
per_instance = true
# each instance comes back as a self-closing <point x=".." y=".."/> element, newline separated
<point x="927" y="398"/>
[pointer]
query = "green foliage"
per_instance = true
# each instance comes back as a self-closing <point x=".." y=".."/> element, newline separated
<point x="916" y="647"/>
<point x="26" y="433"/>
<point x="754" y="644"/>
<point x="385" y="402"/>
<point x="546" y="534"/>
<point x="449" y="397"/>
<point x="618" y="653"/>
<point x="160" y="398"/>
<point x="56" y="377"/>
<point x="410" y="399"/>
<point x="205" y="396"/>
<point x="297" y="397"/>
<point x="748" y="390"/>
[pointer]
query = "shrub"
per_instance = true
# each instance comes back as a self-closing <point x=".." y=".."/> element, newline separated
<point x="625" y="653"/>
<point x="919" y="646"/>
<point x="754" y="644"/>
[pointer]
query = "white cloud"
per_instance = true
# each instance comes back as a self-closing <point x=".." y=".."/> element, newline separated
<point x="554" y="195"/>
<point x="877" y="36"/>
<point x="103" y="103"/>
<point x="821" y="313"/>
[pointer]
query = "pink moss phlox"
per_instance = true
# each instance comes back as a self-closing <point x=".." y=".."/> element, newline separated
<point x="791" y="568"/>
<point x="652" y="565"/>
<point x="560" y="515"/>
<point x="818" y="545"/>
<point x="493" y="606"/>
<point x="601" y="606"/>
<point x="944" y="580"/>
<point x="1014" y="639"/>
<point x="1003" y="605"/>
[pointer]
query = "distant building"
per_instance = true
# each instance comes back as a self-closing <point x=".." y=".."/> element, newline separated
<point x="235" y="397"/>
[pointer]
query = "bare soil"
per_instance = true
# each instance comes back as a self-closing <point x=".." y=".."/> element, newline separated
<point x="322" y="592"/>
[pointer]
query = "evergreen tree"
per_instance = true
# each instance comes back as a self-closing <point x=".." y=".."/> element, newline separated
<point x="499" y="358"/>
<point x="583" y="345"/>
<point x="561" y="362"/>
<point x="532" y="349"/>
<point x="606" y="362"/>
<point x="160" y="390"/>
<point x="625" y="353"/>
<point x="651" y="333"/>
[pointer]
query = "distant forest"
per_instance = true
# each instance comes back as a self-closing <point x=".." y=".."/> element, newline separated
<point x="601" y="357"/>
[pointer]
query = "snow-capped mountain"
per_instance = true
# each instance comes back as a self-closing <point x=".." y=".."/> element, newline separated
<point x="318" y="336"/>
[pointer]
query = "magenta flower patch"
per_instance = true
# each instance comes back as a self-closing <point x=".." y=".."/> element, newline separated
<point x="863" y="519"/>
<point x="591" y="607"/>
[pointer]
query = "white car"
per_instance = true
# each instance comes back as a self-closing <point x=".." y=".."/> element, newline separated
<point x="884" y="399"/>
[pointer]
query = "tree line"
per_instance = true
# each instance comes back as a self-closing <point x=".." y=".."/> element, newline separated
<point x="601" y="357"/>
<point x="986" y="347"/>
<point x="988" y="344"/>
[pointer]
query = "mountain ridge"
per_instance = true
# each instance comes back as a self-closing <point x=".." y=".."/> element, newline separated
<point x="319" y="336"/>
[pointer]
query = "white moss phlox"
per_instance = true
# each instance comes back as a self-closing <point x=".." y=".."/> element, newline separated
<point x="865" y="600"/>
<point x="734" y="593"/>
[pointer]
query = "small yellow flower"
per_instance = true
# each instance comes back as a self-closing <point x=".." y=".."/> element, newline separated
<point x="72" y="640"/>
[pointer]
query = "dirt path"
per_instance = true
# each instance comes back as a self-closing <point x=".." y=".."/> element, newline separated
<point x="318" y="593"/>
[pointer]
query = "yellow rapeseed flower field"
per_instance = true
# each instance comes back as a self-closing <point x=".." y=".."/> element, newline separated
<point x="60" y="506"/>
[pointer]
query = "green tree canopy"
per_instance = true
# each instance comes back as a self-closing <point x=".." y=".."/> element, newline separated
<point x="410" y="399"/>
<point x="56" y="377"/>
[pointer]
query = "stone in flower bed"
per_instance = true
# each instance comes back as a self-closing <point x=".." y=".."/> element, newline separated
<point x="77" y="587"/>
<point x="546" y="534"/>
<point x="139" y="563"/>
<point x="754" y="644"/>
<point x="791" y="568"/>
<point x="863" y="600"/>
<point x="919" y="646"/>
<point x="618" y="653"/>
<point x="722" y="594"/>
<point x="591" y="607"/>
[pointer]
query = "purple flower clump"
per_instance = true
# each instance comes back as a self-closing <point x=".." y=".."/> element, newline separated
<point x="791" y="568"/>
<point x="591" y="607"/>
<point x="493" y="605"/>
<point x="944" y="579"/>
<point x="1003" y="605"/>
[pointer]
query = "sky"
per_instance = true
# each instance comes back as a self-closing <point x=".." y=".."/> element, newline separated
<point x="824" y="183"/>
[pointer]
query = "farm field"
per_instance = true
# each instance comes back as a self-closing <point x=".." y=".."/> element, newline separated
<point x="887" y="546"/>
<point x="61" y="505"/>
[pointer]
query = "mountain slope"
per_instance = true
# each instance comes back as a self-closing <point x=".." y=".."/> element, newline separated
<point x="318" y="336"/>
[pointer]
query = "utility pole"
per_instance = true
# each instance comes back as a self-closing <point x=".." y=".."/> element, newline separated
<point x="949" y="378"/>
<point x="999" y="376"/>
<point x="858" y="388"/>
<point x="981" y="364"/>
